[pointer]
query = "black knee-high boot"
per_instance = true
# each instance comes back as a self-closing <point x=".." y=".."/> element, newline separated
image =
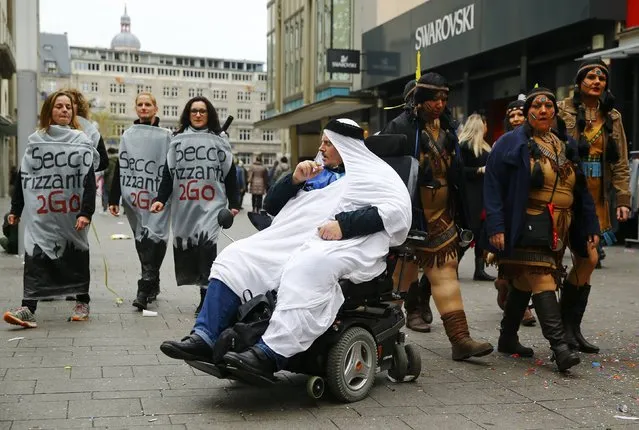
<point x="513" y="312"/>
<point x="425" y="293"/>
<point x="574" y="301"/>
<point x="552" y="327"/>
<point x="413" y="305"/>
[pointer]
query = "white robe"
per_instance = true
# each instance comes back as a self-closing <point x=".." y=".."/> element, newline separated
<point x="291" y="258"/>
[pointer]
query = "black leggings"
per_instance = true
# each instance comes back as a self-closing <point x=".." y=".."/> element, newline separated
<point x="257" y="201"/>
<point x="33" y="304"/>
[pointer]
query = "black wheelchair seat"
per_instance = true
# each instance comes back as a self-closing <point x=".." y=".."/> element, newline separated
<point x="371" y="292"/>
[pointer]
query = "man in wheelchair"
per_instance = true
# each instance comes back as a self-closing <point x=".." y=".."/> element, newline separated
<point x="334" y="219"/>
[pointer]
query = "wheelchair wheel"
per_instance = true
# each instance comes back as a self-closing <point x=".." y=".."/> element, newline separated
<point x="414" y="363"/>
<point x="399" y="368"/>
<point x="351" y="366"/>
<point x="315" y="387"/>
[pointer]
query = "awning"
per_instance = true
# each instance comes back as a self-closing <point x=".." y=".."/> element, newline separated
<point x="331" y="107"/>
<point x="618" y="52"/>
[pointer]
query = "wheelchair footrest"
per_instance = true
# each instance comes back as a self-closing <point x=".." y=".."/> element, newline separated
<point x="251" y="378"/>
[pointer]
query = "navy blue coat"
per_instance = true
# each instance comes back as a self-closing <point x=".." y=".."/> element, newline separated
<point x="506" y="186"/>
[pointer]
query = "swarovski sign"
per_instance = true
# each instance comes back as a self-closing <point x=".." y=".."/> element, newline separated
<point x="450" y="25"/>
<point x="342" y="61"/>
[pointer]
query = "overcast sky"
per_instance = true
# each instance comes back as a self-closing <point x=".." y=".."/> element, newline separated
<point x="233" y="29"/>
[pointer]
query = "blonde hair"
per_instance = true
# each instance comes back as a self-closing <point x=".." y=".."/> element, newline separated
<point x="473" y="134"/>
<point x="46" y="117"/>
<point x="146" y="93"/>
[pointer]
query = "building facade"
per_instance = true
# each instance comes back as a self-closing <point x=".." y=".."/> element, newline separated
<point x="8" y="96"/>
<point x="490" y="50"/>
<point x="303" y="94"/>
<point x="111" y="77"/>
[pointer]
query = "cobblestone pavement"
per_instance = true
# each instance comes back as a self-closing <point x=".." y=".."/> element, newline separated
<point x="109" y="372"/>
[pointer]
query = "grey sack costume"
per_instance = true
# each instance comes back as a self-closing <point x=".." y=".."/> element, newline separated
<point x="142" y="157"/>
<point x="56" y="171"/>
<point x="199" y="163"/>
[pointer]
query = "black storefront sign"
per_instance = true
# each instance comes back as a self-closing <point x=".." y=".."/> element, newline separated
<point x="382" y="63"/>
<point x="450" y="30"/>
<point x="342" y="61"/>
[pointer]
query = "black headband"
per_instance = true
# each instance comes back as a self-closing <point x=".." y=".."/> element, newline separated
<point x="345" y="129"/>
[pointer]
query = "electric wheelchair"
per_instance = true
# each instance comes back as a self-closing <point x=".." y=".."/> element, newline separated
<point x="366" y="337"/>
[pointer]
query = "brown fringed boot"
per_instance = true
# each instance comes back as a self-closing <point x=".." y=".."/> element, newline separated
<point x="463" y="345"/>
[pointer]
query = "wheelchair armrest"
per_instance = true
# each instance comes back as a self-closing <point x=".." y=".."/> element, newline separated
<point x="415" y="239"/>
<point x="417" y="235"/>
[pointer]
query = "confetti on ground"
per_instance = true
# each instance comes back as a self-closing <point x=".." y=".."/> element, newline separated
<point x="15" y="338"/>
<point x="67" y="367"/>
<point x="596" y="364"/>
<point x="621" y="417"/>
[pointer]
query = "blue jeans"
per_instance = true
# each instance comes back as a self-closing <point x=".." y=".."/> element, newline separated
<point x="218" y="312"/>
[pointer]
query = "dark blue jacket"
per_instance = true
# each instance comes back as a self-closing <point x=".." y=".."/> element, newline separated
<point x="506" y="190"/>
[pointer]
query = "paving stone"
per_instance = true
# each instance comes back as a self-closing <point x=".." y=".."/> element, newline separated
<point x="52" y="424"/>
<point x="21" y="360"/>
<point x="452" y="409"/>
<point x="266" y="425"/>
<point x="148" y="394"/>
<point x="49" y="342"/>
<point x="17" y="387"/>
<point x="118" y="348"/>
<point x="338" y="412"/>
<point x="395" y="411"/>
<point x="530" y="420"/>
<point x="209" y="418"/>
<point x="9" y="398"/>
<point x="600" y="417"/>
<point x="443" y="422"/>
<point x="163" y="370"/>
<point x="206" y="392"/>
<point x="279" y="415"/>
<point x="551" y="391"/>
<point x="403" y="395"/>
<point x="59" y="397"/>
<point x="5" y="425"/>
<point x="187" y="382"/>
<point x="88" y="385"/>
<point x="104" y="408"/>
<point x="33" y="410"/>
<point x="104" y="358"/>
<point x="381" y="423"/>
<point x="117" y="372"/>
<point x="132" y="421"/>
<point x="178" y="405"/>
<point x="148" y="426"/>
